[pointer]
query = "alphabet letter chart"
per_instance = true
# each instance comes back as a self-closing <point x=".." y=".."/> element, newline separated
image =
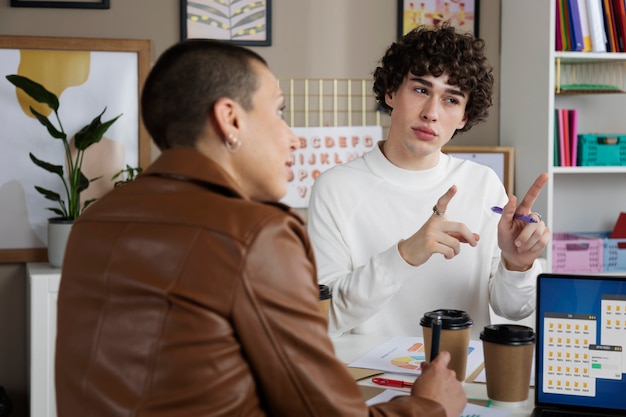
<point x="322" y="148"/>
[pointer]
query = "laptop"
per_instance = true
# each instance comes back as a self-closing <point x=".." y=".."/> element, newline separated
<point x="580" y="366"/>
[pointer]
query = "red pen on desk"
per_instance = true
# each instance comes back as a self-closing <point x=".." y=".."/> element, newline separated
<point x="392" y="383"/>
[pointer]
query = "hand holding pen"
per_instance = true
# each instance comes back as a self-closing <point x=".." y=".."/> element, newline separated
<point x="521" y="242"/>
<point x="439" y="384"/>
<point x="518" y="216"/>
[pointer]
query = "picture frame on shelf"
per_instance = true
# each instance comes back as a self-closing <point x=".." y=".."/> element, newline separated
<point x="87" y="74"/>
<point x="462" y="14"/>
<point x="248" y="23"/>
<point x="65" y="4"/>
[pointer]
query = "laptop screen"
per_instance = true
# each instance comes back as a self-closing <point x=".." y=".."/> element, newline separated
<point x="581" y="341"/>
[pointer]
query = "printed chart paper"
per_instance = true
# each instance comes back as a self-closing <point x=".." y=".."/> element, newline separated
<point x="322" y="148"/>
<point x="403" y="355"/>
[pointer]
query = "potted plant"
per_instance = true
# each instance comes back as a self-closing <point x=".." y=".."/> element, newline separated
<point x="69" y="206"/>
<point x="126" y="175"/>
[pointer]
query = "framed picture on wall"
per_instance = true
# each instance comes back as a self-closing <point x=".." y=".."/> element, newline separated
<point x="462" y="14"/>
<point x="499" y="158"/>
<point x="65" y="4"/>
<point x="243" y="22"/>
<point x="87" y="75"/>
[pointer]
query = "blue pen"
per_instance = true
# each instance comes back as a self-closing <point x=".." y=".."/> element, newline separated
<point x="518" y="216"/>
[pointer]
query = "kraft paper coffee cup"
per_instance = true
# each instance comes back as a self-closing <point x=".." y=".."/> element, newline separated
<point x="325" y="297"/>
<point x="508" y="350"/>
<point x="454" y="337"/>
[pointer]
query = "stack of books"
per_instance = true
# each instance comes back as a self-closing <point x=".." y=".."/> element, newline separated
<point x="565" y="137"/>
<point x="572" y="148"/>
<point x="591" y="25"/>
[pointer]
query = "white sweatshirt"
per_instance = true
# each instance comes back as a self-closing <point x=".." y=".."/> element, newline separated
<point x="360" y="210"/>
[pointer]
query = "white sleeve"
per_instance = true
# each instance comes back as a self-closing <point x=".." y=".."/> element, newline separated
<point x="512" y="293"/>
<point x="358" y="291"/>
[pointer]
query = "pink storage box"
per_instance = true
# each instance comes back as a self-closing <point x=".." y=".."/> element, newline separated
<point x="577" y="252"/>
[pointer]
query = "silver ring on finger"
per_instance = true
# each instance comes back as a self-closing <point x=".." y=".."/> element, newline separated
<point x="437" y="212"/>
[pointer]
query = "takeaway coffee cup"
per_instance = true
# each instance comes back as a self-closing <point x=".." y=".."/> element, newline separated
<point x="508" y="350"/>
<point x="455" y="328"/>
<point x="325" y="297"/>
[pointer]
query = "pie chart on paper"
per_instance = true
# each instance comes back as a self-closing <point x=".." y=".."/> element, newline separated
<point x="408" y="362"/>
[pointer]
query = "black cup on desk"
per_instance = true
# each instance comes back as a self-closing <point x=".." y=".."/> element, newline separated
<point x="508" y="350"/>
<point x="325" y="298"/>
<point x="454" y="336"/>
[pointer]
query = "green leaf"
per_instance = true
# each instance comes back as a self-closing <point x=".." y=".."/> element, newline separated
<point x="50" y="195"/>
<point x="83" y="183"/>
<point x="55" y="169"/>
<point x="118" y="174"/>
<point x="35" y="91"/>
<point x="58" y="212"/>
<point x="126" y="175"/>
<point x="88" y="203"/>
<point x="46" y="122"/>
<point x="93" y="132"/>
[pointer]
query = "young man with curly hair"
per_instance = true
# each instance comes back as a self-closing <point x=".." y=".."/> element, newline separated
<point x="407" y="229"/>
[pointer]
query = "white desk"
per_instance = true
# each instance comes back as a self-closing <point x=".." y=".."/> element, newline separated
<point x="350" y="347"/>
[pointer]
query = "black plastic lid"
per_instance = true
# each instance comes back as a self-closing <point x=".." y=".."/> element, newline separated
<point x="450" y="319"/>
<point x="325" y="293"/>
<point x="508" y="334"/>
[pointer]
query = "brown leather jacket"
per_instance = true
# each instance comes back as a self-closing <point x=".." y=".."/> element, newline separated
<point x="179" y="297"/>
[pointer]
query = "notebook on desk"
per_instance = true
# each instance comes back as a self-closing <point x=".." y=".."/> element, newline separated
<point x="580" y="366"/>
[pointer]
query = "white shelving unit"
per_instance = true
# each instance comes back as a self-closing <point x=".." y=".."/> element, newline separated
<point x="42" y="293"/>
<point x="576" y="199"/>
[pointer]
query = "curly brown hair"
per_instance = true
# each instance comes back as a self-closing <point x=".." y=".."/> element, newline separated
<point x="436" y="52"/>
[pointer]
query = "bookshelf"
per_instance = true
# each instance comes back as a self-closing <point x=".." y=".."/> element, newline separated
<point x="576" y="199"/>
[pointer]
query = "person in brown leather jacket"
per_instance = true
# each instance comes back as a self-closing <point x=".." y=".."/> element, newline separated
<point x="190" y="291"/>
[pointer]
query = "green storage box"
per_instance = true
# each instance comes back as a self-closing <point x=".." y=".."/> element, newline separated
<point x="601" y="150"/>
